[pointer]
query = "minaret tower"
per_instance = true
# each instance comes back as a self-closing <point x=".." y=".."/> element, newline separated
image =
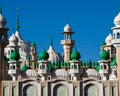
<point x="116" y="42"/>
<point x="67" y="43"/>
<point x="3" y="43"/>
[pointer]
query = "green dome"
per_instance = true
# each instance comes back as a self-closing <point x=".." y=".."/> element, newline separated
<point x="103" y="43"/>
<point x="113" y="63"/>
<point x="104" y="55"/>
<point x="75" y="55"/>
<point x="33" y="44"/>
<point x="14" y="56"/>
<point x="24" y="68"/>
<point x="43" y="55"/>
<point x="27" y="58"/>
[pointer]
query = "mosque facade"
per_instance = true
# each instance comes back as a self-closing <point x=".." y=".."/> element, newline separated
<point x="25" y="73"/>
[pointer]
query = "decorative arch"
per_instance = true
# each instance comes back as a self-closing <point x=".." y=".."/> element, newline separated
<point x="91" y="90"/>
<point x="30" y="90"/>
<point x="60" y="90"/>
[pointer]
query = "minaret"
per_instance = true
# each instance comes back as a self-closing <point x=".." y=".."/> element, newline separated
<point x="33" y="54"/>
<point x="116" y="42"/>
<point x="67" y="43"/>
<point x="3" y="43"/>
<point x="109" y="46"/>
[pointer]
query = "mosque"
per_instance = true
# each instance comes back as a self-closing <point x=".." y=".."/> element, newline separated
<point x="25" y="73"/>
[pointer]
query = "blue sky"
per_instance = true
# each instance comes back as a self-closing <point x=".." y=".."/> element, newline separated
<point x="90" y="20"/>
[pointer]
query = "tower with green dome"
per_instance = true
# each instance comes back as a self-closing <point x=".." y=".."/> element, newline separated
<point x="104" y="67"/>
<point x="14" y="65"/>
<point x="75" y="65"/>
<point x="43" y="64"/>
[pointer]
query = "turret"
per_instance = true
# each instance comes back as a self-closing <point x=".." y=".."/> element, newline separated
<point x="43" y="64"/>
<point x="14" y="66"/>
<point x="33" y="54"/>
<point x="103" y="71"/>
<point x="74" y="65"/>
<point x="67" y="43"/>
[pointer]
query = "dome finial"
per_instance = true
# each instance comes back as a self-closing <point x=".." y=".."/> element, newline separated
<point x="13" y="31"/>
<point x="68" y="20"/>
<point x="110" y="30"/>
<point x="51" y="42"/>
<point x="17" y="19"/>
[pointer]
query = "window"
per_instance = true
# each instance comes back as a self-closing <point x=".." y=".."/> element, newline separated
<point x="13" y="66"/>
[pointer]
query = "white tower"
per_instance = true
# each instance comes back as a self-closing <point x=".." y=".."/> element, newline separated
<point x="116" y="42"/>
<point x="67" y="43"/>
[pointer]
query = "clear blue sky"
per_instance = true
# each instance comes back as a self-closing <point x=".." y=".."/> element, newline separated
<point x="90" y="20"/>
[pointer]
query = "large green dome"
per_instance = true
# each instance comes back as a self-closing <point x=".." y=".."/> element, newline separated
<point x="104" y="55"/>
<point x="43" y="55"/>
<point x="75" y="55"/>
<point x="15" y="56"/>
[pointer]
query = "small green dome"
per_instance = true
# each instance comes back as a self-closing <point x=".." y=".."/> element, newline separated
<point x="103" y="43"/>
<point x="27" y="58"/>
<point x="33" y="44"/>
<point x="43" y="55"/>
<point x="75" y="55"/>
<point x="104" y="55"/>
<point x="113" y="63"/>
<point x="15" y="56"/>
<point x="24" y="68"/>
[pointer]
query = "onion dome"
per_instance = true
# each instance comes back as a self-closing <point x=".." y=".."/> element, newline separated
<point x="113" y="63"/>
<point x="108" y="39"/>
<point x="103" y="43"/>
<point x="67" y="28"/>
<point x="75" y="55"/>
<point x="104" y="55"/>
<point x="2" y="21"/>
<point x="33" y="44"/>
<point x="53" y="56"/>
<point x="117" y="20"/>
<point x="14" y="56"/>
<point x="24" y="68"/>
<point x="28" y="58"/>
<point x="44" y="55"/>
<point x="13" y="40"/>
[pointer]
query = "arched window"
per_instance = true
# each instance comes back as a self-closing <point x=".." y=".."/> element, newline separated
<point x="43" y="66"/>
<point x="30" y="90"/>
<point x="118" y="35"/>
<point x="105" y="67"/>
<point x="91" y="90"/>
<point x="60" y="90"/>
<point x="13" y="66"/>
<point x="2" y="36"/>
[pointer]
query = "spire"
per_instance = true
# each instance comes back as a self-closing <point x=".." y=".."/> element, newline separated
<point x="119" y="9"/>
<point x="68" y="20"/>
<point x="17" y="19"/>
<point x="51" y="42"/>
<point x="110" y="30"/>
<point x="13" y="31"/>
